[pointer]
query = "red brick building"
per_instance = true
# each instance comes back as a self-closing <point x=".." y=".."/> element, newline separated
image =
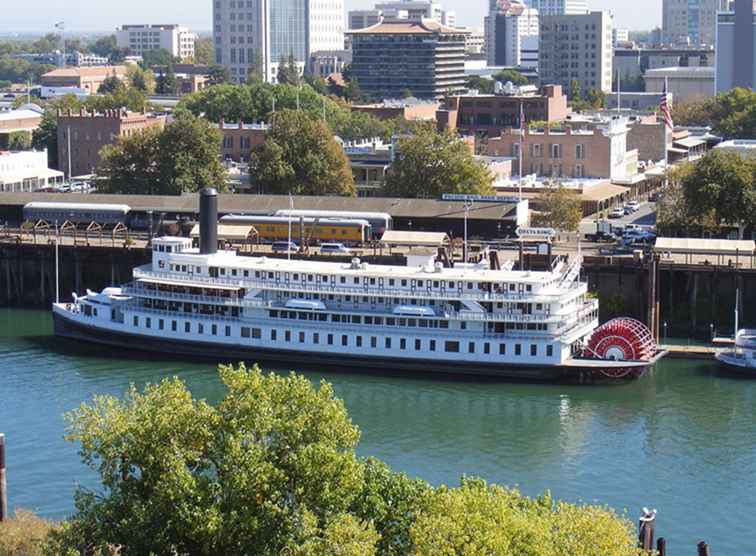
<point x="87" y="78"/>
<point x="490" y="115"/>
<point x="240" y="138"/>
<point x="90" y="132"/>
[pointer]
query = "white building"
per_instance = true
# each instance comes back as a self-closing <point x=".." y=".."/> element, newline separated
<point x="558" y="7"/>
<point x="475" y="41"/>
<point x="746" y="148"/>
<point x="255" y="35"/>
<point x="26" y="171"/>
<point x="577" y="48"/>
<point x="685" y="83"/>
<point x="176" y="39"/>
<point x="418" y="9"/>
<point x="512" y="35"/>
<point x="736" y="47"/>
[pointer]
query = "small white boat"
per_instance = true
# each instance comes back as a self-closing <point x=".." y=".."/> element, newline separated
<point x="742" y="356"/>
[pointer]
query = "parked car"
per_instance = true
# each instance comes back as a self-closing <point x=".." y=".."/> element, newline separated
<point x="334" y="248"/>
<point x="628" y="210"/>
<point x="655" y="197"/>
<point x="634" y="205"/>
<point x="618" y="212"/>
<point x="285" y="247"/>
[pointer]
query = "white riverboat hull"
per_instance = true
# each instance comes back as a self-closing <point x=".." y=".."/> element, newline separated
<point x="73" y="326"/>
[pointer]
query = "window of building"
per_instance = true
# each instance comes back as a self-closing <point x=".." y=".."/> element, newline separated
<point x="358" y="340"/>
<point x="344" y="340"/>
<point x="402" y="343"/>
<point x="287" y="336"/>
<point x="273" y="334"/>
<point x="533" y="350"/>
<point x="518" y="349"/>
<point x="373" y="342"/>
<point x="214" y="330"/>
<point x="174" y="326"/>
<point x="187" y="327"/>
<point x="418" y="345"/>
<point x="549" y="351"/>
<point x="451" y="346"/>
<point x="228" y="330"/>
<point x="136" y="321"/>
<point x="315" y="338"/>
<point x="502" y="349"/>
<point x="580" y="152"/>
<point x="301" y="337"/>
<point x="556" y="150"/>
<point x="245" y="332"/>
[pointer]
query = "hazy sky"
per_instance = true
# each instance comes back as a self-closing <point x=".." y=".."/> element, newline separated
<point x="101" y="15"/>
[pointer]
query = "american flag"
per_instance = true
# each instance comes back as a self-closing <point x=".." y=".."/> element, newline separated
<point x="664" y="109"/>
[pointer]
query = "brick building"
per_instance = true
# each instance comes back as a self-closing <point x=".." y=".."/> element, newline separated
<point x="575" y="153"/>
<point x="491" y="115"/>
<point x="90" y="132"/>
<point x="87" y="78"/>
<point x="240" y="138"/>
<point x="408" y="109"/>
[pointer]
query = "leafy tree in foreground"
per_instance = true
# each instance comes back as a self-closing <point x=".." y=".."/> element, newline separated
<point x="204" y="51"/>
<point x="110" y="85"/>
<point x="141" y="79"/>
<point x="722" y="186"/>
<point x="511" y="75"/>
<point x="560" y="208"/>
<point x="731" y="114"/>
<point x="181" y="158"/>
<point x="272" y="470"/>
<point x="430" y="163"/>
<point x="301" y="156"/>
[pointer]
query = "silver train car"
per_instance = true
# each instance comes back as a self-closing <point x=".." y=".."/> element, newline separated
<point x="77" y="213"/>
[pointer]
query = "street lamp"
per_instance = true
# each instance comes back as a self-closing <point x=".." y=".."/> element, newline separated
<point x="464" y="245"/>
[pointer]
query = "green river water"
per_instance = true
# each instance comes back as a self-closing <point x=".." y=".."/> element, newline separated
<point x="680" y="440"/>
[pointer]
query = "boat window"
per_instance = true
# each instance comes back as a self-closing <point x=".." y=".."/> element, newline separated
<point x="256" y="333"/>
<point x="273" y="334"/>
<point x="359" y="341"/>
<point x="402" y="343"/>
<point x="471" y="347"/>
<point x="344" y="340"/>
<point x="174" y="326"/>
<point x="330" y="339"/>
<point x="136" y="319"/>
<point x="148" y="322"/>
<point x="518" y="349"/>
<point x="502" y="349"/>
<point x="418" y="345"/>
<point x="287" y="335"/>
<point x="161" y="324"/>
<point x="245" y="332"/>
<point x="200" y="328"/>
<point x="373" y="342"/>
<point x="356" y="280"/>
<point x="214" y="330"/>
<point x="533" y="350"/>
<point x="433" y="345"/>
<point x="549" y="351"/>
<point x="315" y="338"/>
<point x="486" y="348"/>
<point x="301" y="337"/>
<point x="228" y="330"/>
<point x="387" y="343"/>
<point x="451" y="347"/>
<point x="187" y="327"/>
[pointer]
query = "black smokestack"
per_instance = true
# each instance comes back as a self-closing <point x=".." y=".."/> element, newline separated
<point x="208" y="221"/>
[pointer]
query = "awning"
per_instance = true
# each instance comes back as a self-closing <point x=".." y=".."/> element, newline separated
<point x="690" y="142"/>
<point x="188" y="283"/>
<point x="230" y="232"/>
<point x="412" y="239"/>
<point x="677" y="151"/>
<point x="697" y="246"/>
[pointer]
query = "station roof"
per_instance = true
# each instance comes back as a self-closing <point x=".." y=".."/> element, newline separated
<point x="696" y="246"/>
<point x="269" y="204"/>
<point x="414" y="239"/>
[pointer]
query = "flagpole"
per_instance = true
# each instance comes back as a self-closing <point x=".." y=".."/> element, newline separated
<point x="291" y="208"/>
<point x="522" y="136"/>
<point x="619" y="92"/>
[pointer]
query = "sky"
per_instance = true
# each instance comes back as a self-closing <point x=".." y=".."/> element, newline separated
<point x="105" y="15"/>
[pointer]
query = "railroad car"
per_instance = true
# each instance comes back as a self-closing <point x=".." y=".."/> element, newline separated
<point x="379" y="221"/>
<point x="77" y="213"/>
<point x="313" y="230"/>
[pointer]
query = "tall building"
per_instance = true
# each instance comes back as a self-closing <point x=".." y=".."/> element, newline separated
<point x="507" y="28"/>
<point x="395" y="56"/>
<point x="556" y="7"/>
<point x="255" y="35"/>
<point x="359" y="19"/>
<point x="736" y="47"/>
<point x="418" y="9"/>
<point x="579" y="48"/>
<point x="176" y="39"/>
<point x="690" y="21"/>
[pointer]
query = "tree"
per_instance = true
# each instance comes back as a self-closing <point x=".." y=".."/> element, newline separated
<point x="166" y="83"/>
<point x="110" y="85"/>
<point x="575" y="90"/>
<point x="288" y="72"/>
<point x="183" y="157"/>
<point x="301" y="156"/>
<point x="158" y="57"/>
<point x="722" y="186"/>
<point x="218" y="74"/>
<point x="271" y="470"/>
<point x="46" y="135"/>
<point x="511" y="75"/>
<point x="731" y="114"/>
<point x="318" y="84"/>
<point x="596" y="98"/>
<point x="477" y="518"/>
<point x="430" y="163"/>
<point x="19" y="141"/>
<point x="559" y="208"/>
<point x="141" y="79"/>
<point x="481" y="84"/>
<point x="204" y="51"/>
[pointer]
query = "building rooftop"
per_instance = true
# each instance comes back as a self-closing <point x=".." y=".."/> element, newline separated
<point x="680" y="71"/>
<point x="90" y="71"/>
<point x="407" y="27"/>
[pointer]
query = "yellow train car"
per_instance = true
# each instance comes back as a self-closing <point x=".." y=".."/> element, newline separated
<point x="312" y="230"/>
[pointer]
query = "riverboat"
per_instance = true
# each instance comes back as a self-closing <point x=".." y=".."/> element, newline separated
<point x="742" y="357"/>
<point x="425" y="316"/>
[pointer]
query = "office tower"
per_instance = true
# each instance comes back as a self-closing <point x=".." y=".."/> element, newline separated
<point x="691" y="22"/>
<point x="736" y="47"/>
<point x="510" y="29"/>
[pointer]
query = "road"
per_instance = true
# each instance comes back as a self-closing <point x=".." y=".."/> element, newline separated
<point x="644" y="216"/>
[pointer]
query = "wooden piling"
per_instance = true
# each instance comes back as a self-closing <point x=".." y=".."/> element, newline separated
<point x="646" y="524"/>
<point x="703" y="549"/>
<point x="3" y="484"/>
<point x="661" y="547"/>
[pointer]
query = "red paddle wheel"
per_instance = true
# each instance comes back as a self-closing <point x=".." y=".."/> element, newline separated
<point x="621" y="339"/>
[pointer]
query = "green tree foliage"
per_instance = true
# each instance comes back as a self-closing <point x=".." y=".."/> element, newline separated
<point x="722" y="186"/>
<point x="107" y="46"/>
<point x="255" y="101"/>
<point x="301" y="156"/>
<point x="481" y="84"/>
<point x="158" y="57"/>
<point x="123" y="97"/>
<point x="288" y="72"/>
<point x="430" y="163"/>
<point x="182" y="158"/>
<point x="141" y="79"/>
<point x="19" y="141"/>
<point x="318" y="84"/>
<point x="575" y="93"/>
<point x="204" y="51"/>
<point x="511" y="75"/>
<point x="219" y="74"/>
<point x="559" y="208"/>
<point x="20" y="71"/>
<point x="110" y="85"/>
<point x="272" y="470"/>
<point x="596" y="99"/>
<point x="731" y="114"/>
<point x="166" y="83"/>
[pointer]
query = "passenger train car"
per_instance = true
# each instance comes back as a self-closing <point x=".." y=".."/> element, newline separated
<point x="379" y="221"/>
<point x="314" y="230"/>
<point x="77" y="213"/>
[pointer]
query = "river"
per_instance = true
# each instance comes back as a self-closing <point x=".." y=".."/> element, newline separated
<point x="680" y="440"/>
